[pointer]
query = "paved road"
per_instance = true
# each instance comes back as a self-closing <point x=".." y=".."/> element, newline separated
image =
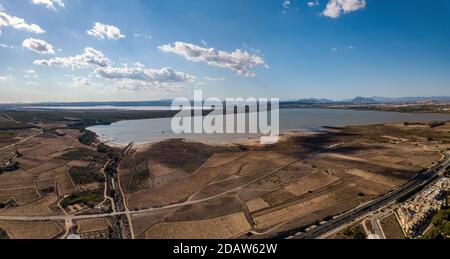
<point x="375" y="222"/>
<point x="420" y="180"/>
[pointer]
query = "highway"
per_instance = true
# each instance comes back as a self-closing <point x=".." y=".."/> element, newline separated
<point x="420" y="180"/>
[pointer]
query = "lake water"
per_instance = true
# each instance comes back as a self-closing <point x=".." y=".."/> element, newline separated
<point x="154" y="130"/>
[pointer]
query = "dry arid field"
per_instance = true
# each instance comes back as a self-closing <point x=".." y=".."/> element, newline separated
<point x="303" y="180"/>
<point x="175" y="189"/>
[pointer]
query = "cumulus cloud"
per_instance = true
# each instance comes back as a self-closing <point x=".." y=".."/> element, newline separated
<point x="38" y="46"/>
<point x="17" y="23"/>
<point x="313" y="3"/>
<point x="81" y="81"/>
<point x="132" y="77"/>
<point x="335" y="8"/>
<point x="239" y="61"/>
<point x="142" y="77"/>
<point x="102" y="31"/>
<point x="50" y="4"/>
<point x="91" y="58"/>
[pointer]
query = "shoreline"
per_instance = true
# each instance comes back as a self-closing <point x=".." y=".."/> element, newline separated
<point x="254" y="139"/>
<point x="251" y="141"/>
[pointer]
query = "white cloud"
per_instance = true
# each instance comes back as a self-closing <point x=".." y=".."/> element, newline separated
<point x="142" y="77"/>
<point x="313" y="3"/>
<point x="132" y="77"/>
<point x="6" y="46"/>
<point x="102" y="31"/>
<point x="286" y="4"/>
<point x="5" y="78"/>
<point x="215" y="79"/>
<point x="140" y="35"/>
<point x="81" y="81"/>
<point x="17" y="23"/>
<point x="38" y="46"/>
<point x="50" y="4"/>
<point x="90" y="58"/>
<point x="335" y="8"/>
<point x="30" y="73"/>
<point x="239" y="61"/>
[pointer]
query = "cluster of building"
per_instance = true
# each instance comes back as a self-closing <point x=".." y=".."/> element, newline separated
<point x="416" y="213"/>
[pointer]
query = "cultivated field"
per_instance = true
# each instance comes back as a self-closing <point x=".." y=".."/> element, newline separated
<point x="92" y="225"/>
<point x="31" y="230"/>
<point x="52" y="164"/>
<point x="282" y="186"/>
<point x="218" y="228"/>
<point x="241" y="190"/>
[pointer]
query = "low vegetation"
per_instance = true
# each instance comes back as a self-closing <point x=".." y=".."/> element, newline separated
<point x="88" y="138"/>
<point x="83" y="119"/>
<point x="354" y="233"/>
<point x="82" y="154"/>
<point x="11" y="125"/>
<point x="86" y="175"/>
<point x="441" y="226"/>
<point x="136" y="179"/>
<point x="180" y="154"/>
<point x="6" y="136"/>
<point x="89" y="199"/>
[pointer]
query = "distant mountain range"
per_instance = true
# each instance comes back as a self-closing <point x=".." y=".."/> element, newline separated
<point x="377" y="100"/>
<point x="412" y="99"/>
<point x="291" y="103"/>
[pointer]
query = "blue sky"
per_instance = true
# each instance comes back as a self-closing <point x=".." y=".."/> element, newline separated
<point x="154" y="49"/>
